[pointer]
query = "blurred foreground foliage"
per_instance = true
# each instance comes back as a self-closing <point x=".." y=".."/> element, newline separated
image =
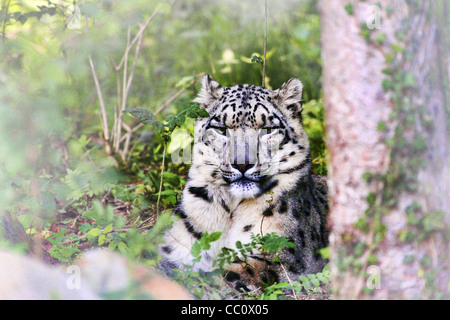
<point x="63" y="63"/>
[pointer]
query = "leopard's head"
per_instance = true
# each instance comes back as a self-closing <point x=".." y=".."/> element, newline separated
<point x="254" y="136"/>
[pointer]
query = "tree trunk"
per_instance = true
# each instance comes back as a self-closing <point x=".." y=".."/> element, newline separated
<point x="385" y="83"/>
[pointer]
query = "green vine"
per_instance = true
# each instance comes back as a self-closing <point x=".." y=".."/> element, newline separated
<point x="407" y="139"/>
<point x="408" y="145"/>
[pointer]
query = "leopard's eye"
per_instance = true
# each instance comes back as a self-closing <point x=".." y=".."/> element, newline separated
<point x="269" y="130"/>
<point x="221" y="130"/>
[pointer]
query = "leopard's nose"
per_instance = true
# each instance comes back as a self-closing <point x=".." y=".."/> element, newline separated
<point x="243" y="167"/>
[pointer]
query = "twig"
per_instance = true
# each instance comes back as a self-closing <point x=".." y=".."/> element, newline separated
<point x="261" y="226"/>
<point x="122" y="93"/>
<point x="133" y="67"/>
<point x="127" y="145"/>
<point x="112" y="148"/>
<point x="139" y="34"/>
<point x="127" y="90"/>
<point x="116" y="107"/>
<point x="102" y="107"/>
<point x="265" y="46"/>
<point x="290" y="281"/>
<point x="162" y="177"/>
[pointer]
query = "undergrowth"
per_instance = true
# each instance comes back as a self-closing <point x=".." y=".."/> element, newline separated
<point x="76" y="168"/>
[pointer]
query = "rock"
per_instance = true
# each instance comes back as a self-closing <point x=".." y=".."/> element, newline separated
<point x="24" y="278"/>
<point x="109" y="274"/>
<point x="99" y="273"/>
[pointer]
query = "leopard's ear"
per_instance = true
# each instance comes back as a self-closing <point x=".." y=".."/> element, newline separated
<point x="210" y="92"/>
<point x="289" y="98"/>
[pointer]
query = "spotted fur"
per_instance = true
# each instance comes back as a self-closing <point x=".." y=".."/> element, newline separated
<point x="251" y="173"/>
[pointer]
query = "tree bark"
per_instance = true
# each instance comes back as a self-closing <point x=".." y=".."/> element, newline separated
<point x="385" y="84"/>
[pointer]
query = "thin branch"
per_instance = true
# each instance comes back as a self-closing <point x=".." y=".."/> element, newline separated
<point x="119" y="99"/>
<point x="290" y="281"/>
<point x="133" y="67"/>
<point x="127" y="139"/>
<point x="138" y="35"/>
<point x="162" y="177"/>
<point x="128" y="75"/>
<point x="113" y="134"/>
<point x="126" y="146"/>
<point x="102" y="107"/>
<point x="124" y="93"/>
<point x="265" y="45"/>
<point x="125" y="96"/>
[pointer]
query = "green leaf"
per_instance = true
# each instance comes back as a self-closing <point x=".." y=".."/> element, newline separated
<point x="112" y="245"/>
<point x="196" y="249"/>
<point x="101" y="239"/>
<point x="95" y="232"/>
<point x="382" y="126"/>
<point x="380" y="39"/>
<point x="170" y="199"/>
<point x="85" y="227"/>
<point x="291" y="245"/>
<point x="165" y="193"/>
<point x="140" y="189"/>
<point x="171" y="178"/>
<point x="214" y="236"/>
<point x="122" y="247"/>
<point x="256" y="59"/>
<point x="195" y="111"/>
<point x="409" y="80"/>
<point x="315" y="282"/>
<point x="323" y="278"/>
<point x="26" y="219"/>
<point x="108" y="228"/>
<point x="349" y="8"/>
<point x="203" y="113"/>
<point x="143" y="114"/>
<point x="305" y="282"/>
<point x="325" y="252"/>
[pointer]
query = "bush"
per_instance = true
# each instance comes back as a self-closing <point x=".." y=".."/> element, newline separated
<point x="77" y="170"/>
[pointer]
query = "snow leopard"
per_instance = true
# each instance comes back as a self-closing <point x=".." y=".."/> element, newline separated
<point x="251" y="174"/>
